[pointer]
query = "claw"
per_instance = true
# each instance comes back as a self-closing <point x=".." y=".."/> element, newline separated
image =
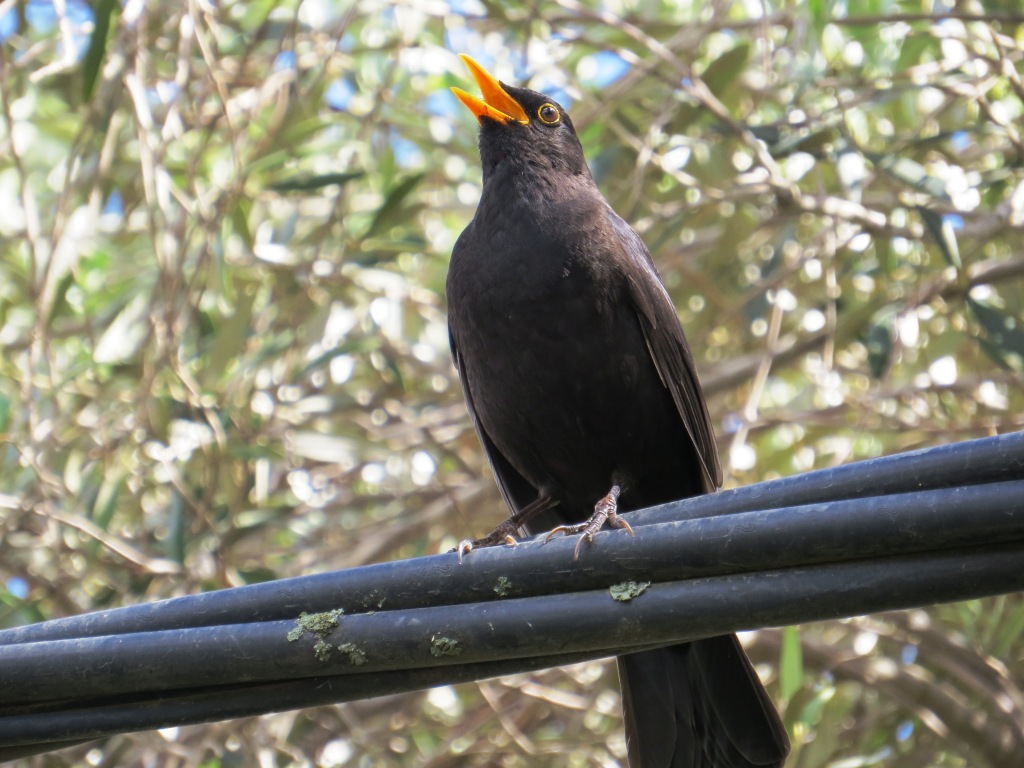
<point x="568" y="530"/>
<point x="587" y="537"/>
<point x="604" y="511"/>
<point x="615" y="521"/>
<point x="500" y="535"/>
<point x="464" y="547"/>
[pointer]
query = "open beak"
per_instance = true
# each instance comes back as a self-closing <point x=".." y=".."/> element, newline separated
<point x="496" y="104"/>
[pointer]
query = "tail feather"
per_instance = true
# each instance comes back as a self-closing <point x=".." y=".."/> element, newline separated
<point x="699" y="705"/>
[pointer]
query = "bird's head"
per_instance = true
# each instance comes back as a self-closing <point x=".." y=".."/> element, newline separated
<point x="521" y="131"/>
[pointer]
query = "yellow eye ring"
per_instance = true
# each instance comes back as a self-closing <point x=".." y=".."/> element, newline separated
<point x="548" y="114"/>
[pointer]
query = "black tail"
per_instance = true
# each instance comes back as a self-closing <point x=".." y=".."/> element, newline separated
<point x="699" y="705"/>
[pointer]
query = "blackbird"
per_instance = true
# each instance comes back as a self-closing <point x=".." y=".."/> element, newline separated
<point x="582" y="389"/>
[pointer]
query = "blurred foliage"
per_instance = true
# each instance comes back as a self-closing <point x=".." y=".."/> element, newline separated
<point x="224" y="231"/>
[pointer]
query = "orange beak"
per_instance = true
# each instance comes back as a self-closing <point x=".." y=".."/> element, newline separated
<point x="496" y="104"/>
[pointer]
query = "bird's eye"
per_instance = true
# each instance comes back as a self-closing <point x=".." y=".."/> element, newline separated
<point x="548" y="114"/>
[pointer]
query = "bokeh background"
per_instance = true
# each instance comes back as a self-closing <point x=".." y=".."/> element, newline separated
<point x="224" y="232"/>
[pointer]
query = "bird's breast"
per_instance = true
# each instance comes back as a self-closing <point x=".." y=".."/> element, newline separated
<point x="559" y="374"/>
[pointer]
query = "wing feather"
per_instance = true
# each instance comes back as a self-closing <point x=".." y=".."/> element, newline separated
<point x="668" y="348"/>
<point x="515" y="489"/>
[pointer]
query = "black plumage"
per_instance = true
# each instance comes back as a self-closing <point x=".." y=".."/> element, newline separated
<point x="578" y="378"/>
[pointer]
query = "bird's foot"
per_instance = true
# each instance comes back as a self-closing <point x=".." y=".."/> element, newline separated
<point x="605" y="511"/>
<point x="503" y="534"/>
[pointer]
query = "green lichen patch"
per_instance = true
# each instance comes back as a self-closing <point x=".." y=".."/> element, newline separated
<point x="627" y="590"/>
<point x="444" y="646"/>
<point x="318" y="624"/>
<point x="503" y="587"/>
<point x="356" y="656"/>
<point x="321" y="623"/>
<point x="322" y="650"/>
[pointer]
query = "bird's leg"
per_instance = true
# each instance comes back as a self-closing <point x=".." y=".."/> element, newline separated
<point x="506" y="532"/>
<point x="606" y="510"/>
<point x="503" y="534"/>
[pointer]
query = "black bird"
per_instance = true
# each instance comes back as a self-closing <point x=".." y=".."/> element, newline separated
<point x="582" y="389"/>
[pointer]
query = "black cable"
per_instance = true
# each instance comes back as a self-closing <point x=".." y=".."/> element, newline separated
<point x="498" y="637"/>
<point x="915" y="529"/>
<point x="866" y="529"/>
<point x="405" y="583"/>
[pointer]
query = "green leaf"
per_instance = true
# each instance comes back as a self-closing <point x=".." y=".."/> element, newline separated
<point x="791" y="664"/>
<point x="240" y="223"/>
<point x="106" y="501"/>
<point x="911" y="173"/>
<point x="879" y="343"/>
<point x="257" y="575"/>
<point x="93" y="61"/>
<point x="177" y="527"/>
<point x="721" y="73"/>
<point x="230" y="336"/>
<point x="123" y="338"/>
<point x="392" y="210"/>
<point x="5" y="412"/>
<point x="828" y="706"/>
<point x="59" y="305"/>
<point x="1004" y="335"/>
<point x="308" y="183"/>
<point x="1009" y="632"/>
<point x="821" y="12"/>
<point x="942" y="230"/>
<point x="917" y="48"/>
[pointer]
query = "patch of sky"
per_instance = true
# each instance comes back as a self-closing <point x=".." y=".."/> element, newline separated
<point x="80" y="13"/>
<point x="520" y="71"/>
<point x="285" y="60"/>
<point x="347" y="42"/>
<point x="165" y="92"/>
<point x="339" y="94"/>
<point x="407" y="153"/>
<point x="468" y="8"/>
<point x="602" y="68"/>
<point x="8" y="24"/>
<point x="462" y="40"/>
<point x="441" y="103"/>
<point x="731" y="423"/>
<point x="114" y="205"/>
<point x="41" y="16"/>
<point x="960" y="141"/>
<point x="17" y="587"/>
<point x="556" y="92"/>
<point x="908" y="654"/>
